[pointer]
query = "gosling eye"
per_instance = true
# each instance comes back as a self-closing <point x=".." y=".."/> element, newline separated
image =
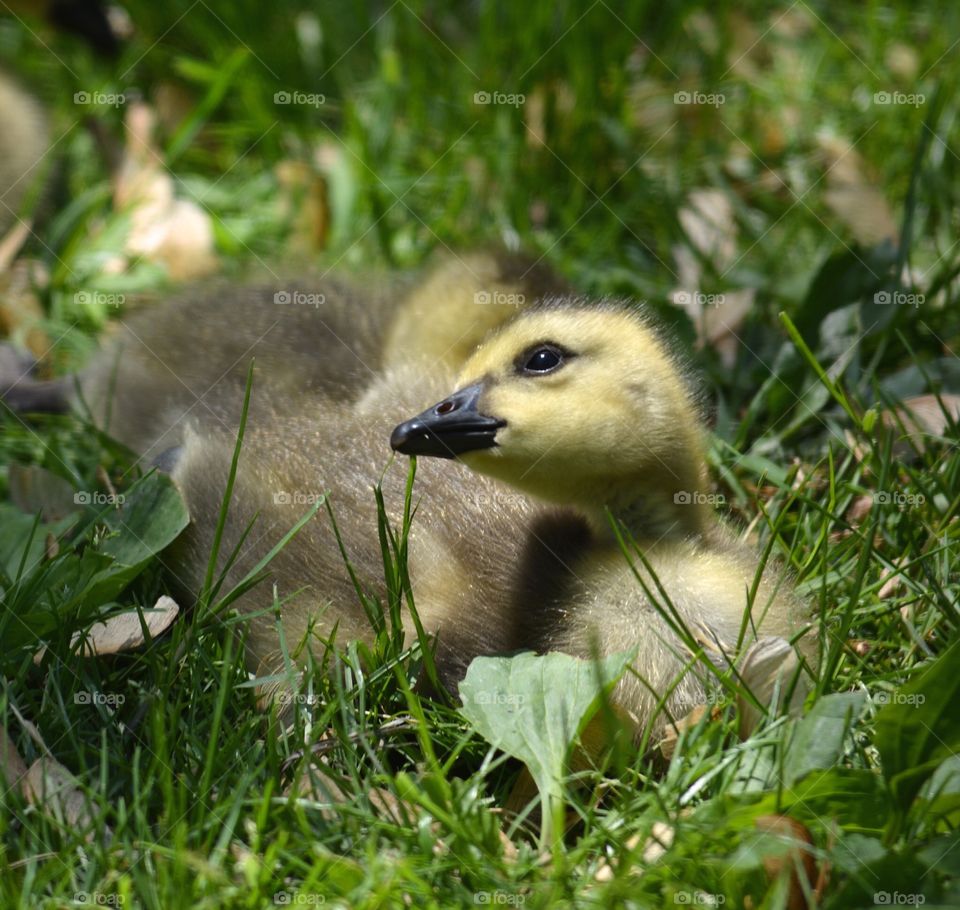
<point x="543" y="359"/>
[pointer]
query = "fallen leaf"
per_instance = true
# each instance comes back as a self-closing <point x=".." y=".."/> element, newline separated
<point x="122" y="632"/>
<point x="919" y="420"/>
<point x="672" y="733"/>
<point x="860" y="647"/>
<point x="12" y="243"/>
<point x="176" y="233"/>
<point x="654" y="848"/>
<point x="852" y="195"/>
<point x="21" y="313"/>
<point x="12" y="767"/>
<point x="50" y="787"/>
<point x="707" y="219"/>
<point x="798" y="859"/>
<point x="769" y="667"/>
<point x="893" y="583"/>
<point x="859" y="509"/>
<point x="304" y="206"/>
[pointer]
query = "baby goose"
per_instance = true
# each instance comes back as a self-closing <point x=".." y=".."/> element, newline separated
<point x="579" y="406"/>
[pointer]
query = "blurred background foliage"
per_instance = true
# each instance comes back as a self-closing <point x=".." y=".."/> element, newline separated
<point x="828" y="197"/>
<point x="725" y="163"/>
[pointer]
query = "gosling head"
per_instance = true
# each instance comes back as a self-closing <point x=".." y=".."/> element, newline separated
<point x="578" y="405"/>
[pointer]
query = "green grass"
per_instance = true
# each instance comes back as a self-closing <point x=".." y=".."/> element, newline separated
<point x="188" y="788"/>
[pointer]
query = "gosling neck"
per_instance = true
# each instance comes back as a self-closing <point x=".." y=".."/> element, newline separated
<point x="656" y="515"/>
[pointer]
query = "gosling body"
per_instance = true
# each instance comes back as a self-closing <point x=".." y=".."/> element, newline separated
<point x="513" y="548"/>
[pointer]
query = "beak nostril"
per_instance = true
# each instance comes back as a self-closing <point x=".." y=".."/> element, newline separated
<point x="445" y="407"/>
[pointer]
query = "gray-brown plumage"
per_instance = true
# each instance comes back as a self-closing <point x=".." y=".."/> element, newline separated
<point x="185" y="362"/>
<point x="497" y="567"/>
<point x="568" y="410"/>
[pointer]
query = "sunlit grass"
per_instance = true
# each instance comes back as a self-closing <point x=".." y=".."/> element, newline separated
<point x="192" y="793"/>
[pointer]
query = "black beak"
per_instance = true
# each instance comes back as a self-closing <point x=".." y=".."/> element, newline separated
<point x="448" y="429"/>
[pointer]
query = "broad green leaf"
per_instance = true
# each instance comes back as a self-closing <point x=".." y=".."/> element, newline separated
<point x="845" y="277"/>
<point x="851" y="799"/>
<point x="533" y="707"/>
<point x="920" y="727"/>
<point x="819" y="737"/>
<point x="151" y="516"/>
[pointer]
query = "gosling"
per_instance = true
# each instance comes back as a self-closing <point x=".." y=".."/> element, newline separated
<point x="582" y="406"/>
<point x="571" y="420"/>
